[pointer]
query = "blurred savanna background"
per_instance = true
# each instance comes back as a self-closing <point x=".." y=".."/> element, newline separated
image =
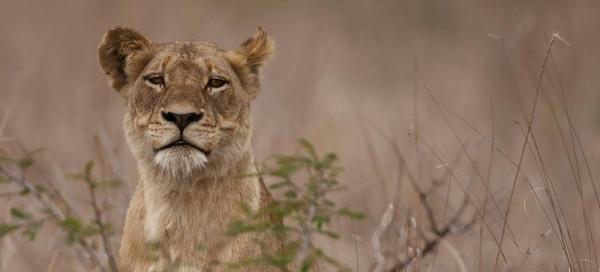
<point x="487" y="110"/>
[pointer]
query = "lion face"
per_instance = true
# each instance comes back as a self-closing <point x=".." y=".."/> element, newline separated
<point x="187" y="103"/>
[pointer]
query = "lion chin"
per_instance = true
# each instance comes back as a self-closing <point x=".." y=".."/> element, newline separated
<point x="180" y="161"/>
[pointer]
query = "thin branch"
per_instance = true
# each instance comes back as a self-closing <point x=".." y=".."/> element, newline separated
<point x="305" y="250"/>
<point x="431" y="244"/>
<point x="385" y="221"/>
<point x="103" y="227"/>
<point x="55" y="212"/>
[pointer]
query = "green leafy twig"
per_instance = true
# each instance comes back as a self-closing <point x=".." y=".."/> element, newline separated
<point x="104" y="229"/>
<point x="303" y="210"/>
<point x="48" y="207"/>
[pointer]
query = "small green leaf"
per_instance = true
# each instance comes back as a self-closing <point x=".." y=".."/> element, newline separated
<point x="6" y="228"/>
<point x="291" y="194"/>
<point x="6" y="159"/>
<point x="89" y="230"/>
<point x="329" y="234"/>
<point x="328" y="159"/>
<point x="309" y="148"/>
<point x="19" y="214"/>
<point x="308" y="263"/>
<point x="31" y="231"/>
<point x="72" y="226"/>
<point x="320" y="220"/>
<point x="40" y="188"/>
<point x="286" y="167"/>
<point x="114" y="183"/>
<point x="352" y="214"/>
<point x="106" y="228"/>
<point x="89" y="166"/>
<point x="25" y="163"/>
<point x="71" y="223"/>
<point x="247" y="210"/>
<point x="238" y="227"/>
<point x="3" y="178"/>
<point x="25" y="191"/>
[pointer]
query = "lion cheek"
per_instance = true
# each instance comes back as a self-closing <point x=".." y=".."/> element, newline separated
<point x="226" y="124"/>
<point x="141" y="122"/>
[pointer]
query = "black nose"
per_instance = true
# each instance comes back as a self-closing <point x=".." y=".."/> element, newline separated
<point x="181" y="120"/>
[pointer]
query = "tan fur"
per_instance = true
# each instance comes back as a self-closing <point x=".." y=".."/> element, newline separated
<point x="186" y="198"/>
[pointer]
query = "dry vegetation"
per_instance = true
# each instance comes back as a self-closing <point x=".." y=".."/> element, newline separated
<point x="466" y="130"/>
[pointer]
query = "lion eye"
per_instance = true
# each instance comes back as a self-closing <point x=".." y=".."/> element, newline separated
<point x="156" y="80"/>
<point x="216" y="82"/>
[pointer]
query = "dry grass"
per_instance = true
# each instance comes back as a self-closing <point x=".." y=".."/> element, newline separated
<point x="471" y="118"/>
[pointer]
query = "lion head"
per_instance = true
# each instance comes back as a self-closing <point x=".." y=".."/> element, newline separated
<point x="187" y="102"/>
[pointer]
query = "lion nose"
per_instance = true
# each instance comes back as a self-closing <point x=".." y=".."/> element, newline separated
<point x="182" y="120"/>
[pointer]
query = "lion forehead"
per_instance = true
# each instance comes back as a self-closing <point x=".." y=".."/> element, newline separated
<point x="198" y="51"/>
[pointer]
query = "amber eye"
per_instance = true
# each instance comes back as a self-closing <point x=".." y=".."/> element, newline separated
<point x="156" y="80"/>
<point x="216" y="82"/>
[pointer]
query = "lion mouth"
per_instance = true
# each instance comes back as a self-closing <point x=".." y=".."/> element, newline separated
<point x="183" y="143"/>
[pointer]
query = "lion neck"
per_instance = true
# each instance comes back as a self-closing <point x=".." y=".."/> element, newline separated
<point x="199" y="202"/>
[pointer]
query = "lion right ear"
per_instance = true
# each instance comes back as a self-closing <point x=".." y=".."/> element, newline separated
<point x="123" y="53"/>
<point x="249" y="57"/>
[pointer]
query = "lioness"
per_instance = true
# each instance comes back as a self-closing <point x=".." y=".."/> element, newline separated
<point x="188" y="125"/>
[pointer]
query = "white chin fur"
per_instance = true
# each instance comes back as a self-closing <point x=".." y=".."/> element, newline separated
<point x="180" y="162"/>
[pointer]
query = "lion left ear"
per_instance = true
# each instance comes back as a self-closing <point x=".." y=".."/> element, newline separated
<point x="249" y="57"/>
<point x="123" y="53"/>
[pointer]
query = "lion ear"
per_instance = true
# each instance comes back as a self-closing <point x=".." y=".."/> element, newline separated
<point x="249" y="57"/>
<point x="123" y="53"/>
